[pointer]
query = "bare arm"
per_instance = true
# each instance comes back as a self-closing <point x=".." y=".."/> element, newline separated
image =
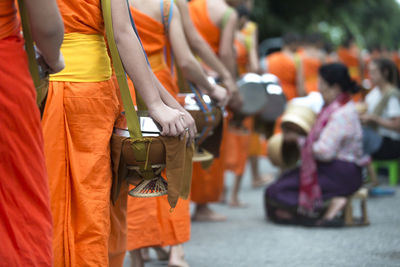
<point x="135" y="65"/>
<point x="226" y="46"/>
<point x="47" y="31"/>
<point x="198" y="44"/>
<point x="188" y="64"/>
<point x="300" y="86"/>
<point x="391" y="123"/>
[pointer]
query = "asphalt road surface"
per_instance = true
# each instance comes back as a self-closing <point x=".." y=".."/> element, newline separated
<point x="247" y="239"/>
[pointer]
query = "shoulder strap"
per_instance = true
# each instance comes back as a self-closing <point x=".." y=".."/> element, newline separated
<point x="384" y="101"/>
<point x="30" y="50"/>
<point x="130" y="112"/>
<point x="248" y="42"/>
<point x="226" y="17"/>
<point x="297" y="61"/>
<point x="167" y="8"/>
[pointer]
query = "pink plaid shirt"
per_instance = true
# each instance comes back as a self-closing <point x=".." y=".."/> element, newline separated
<point x="341" y="138"/>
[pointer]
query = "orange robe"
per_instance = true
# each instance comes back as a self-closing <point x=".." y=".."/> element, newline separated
<point x="25" y="218"/>
<point x="351" y="60"/>
<point x="210" y="32"/>
<point x="237" y="143"/>
<point x="150" y="222"/>
<point x="310" y="68"/>
<point x="207" y="185"/>
<point x="77" y="123"/>
<point x="284" y="68"/>
<point x="348" y="58"/>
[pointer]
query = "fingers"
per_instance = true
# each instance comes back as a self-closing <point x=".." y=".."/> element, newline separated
<point x="180" y="127"/>
<point x="165" y="129"/>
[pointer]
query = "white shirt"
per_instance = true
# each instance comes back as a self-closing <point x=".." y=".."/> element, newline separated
<point x="391" y="110"/>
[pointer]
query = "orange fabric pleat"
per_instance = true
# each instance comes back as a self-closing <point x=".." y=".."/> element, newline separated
<point x="77" y="123"/>
<point x="82" y="16"/>
<point x="25" y="219"/>
<point x="150" y="222"/>
<point x="9" y="24"/>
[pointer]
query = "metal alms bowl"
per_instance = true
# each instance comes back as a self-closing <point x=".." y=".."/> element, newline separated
<point x="276" y="100"/>
<point x="253" y="93"/>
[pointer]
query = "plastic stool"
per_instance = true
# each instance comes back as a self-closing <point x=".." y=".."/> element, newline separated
<point x="392" y="166"/>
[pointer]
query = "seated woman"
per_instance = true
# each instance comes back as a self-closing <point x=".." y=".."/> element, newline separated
<point x="331" y="157"/>
<point x="382" y="119"/>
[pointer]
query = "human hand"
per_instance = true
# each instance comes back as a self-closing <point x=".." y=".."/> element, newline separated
<point x="220" y="94"/>
<point x="191" y="126"/>
<point x="171" y="120"/>
<point x="236" y="101"/>
<point x="368" y="118"/>
<point x="291" y="136"/>
<point x="52" y="66"/>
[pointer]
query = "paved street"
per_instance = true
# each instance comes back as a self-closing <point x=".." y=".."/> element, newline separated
<point x="247" y="239"/>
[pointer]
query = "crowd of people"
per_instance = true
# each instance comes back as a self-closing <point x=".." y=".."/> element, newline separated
<point x="57" y="204"/>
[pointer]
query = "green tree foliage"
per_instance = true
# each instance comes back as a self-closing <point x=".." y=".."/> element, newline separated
<point x="370" y="22"/>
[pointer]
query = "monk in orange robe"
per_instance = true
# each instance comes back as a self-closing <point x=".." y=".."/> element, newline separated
<point x="257" y="144"/>
<point x="349" y="55"/>
<point x="25" y="218"/>
<point x="81" y="109"/>
<point x="239" y="144"/>
<point x="311" y="61"/>
<point x="150" y="223"/>
<point x="283" y="64"/>
<point x="162" y="227"/>
<point x="207" y="185"/>
<point x="237" y="141"/>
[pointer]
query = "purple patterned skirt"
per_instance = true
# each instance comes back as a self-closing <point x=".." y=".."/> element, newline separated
<point x="336" y="178"/>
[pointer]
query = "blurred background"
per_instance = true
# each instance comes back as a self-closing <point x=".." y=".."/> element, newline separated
<point x="372" y="23"/>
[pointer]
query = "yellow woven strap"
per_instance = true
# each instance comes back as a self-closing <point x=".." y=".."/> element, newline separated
<point x="30" y="50"/>
<point x="132" y="119"/>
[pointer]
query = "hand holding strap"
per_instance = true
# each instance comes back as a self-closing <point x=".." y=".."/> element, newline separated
<point x="132" y="119"/>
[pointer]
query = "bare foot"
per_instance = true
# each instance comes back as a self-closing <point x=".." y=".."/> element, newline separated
<point x="204" y="214"/>
<point x="177" y="257"/>
<point x="235" y="203"/>
<point x="335" y="206"/>
<point x="282" y="214"/>
<point x="162" y="253"/>
<point x="264" y="180"/>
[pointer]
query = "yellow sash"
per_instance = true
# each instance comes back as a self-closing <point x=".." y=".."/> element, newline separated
<point x="157" y="62"/>
<point x="86" y="59"/>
